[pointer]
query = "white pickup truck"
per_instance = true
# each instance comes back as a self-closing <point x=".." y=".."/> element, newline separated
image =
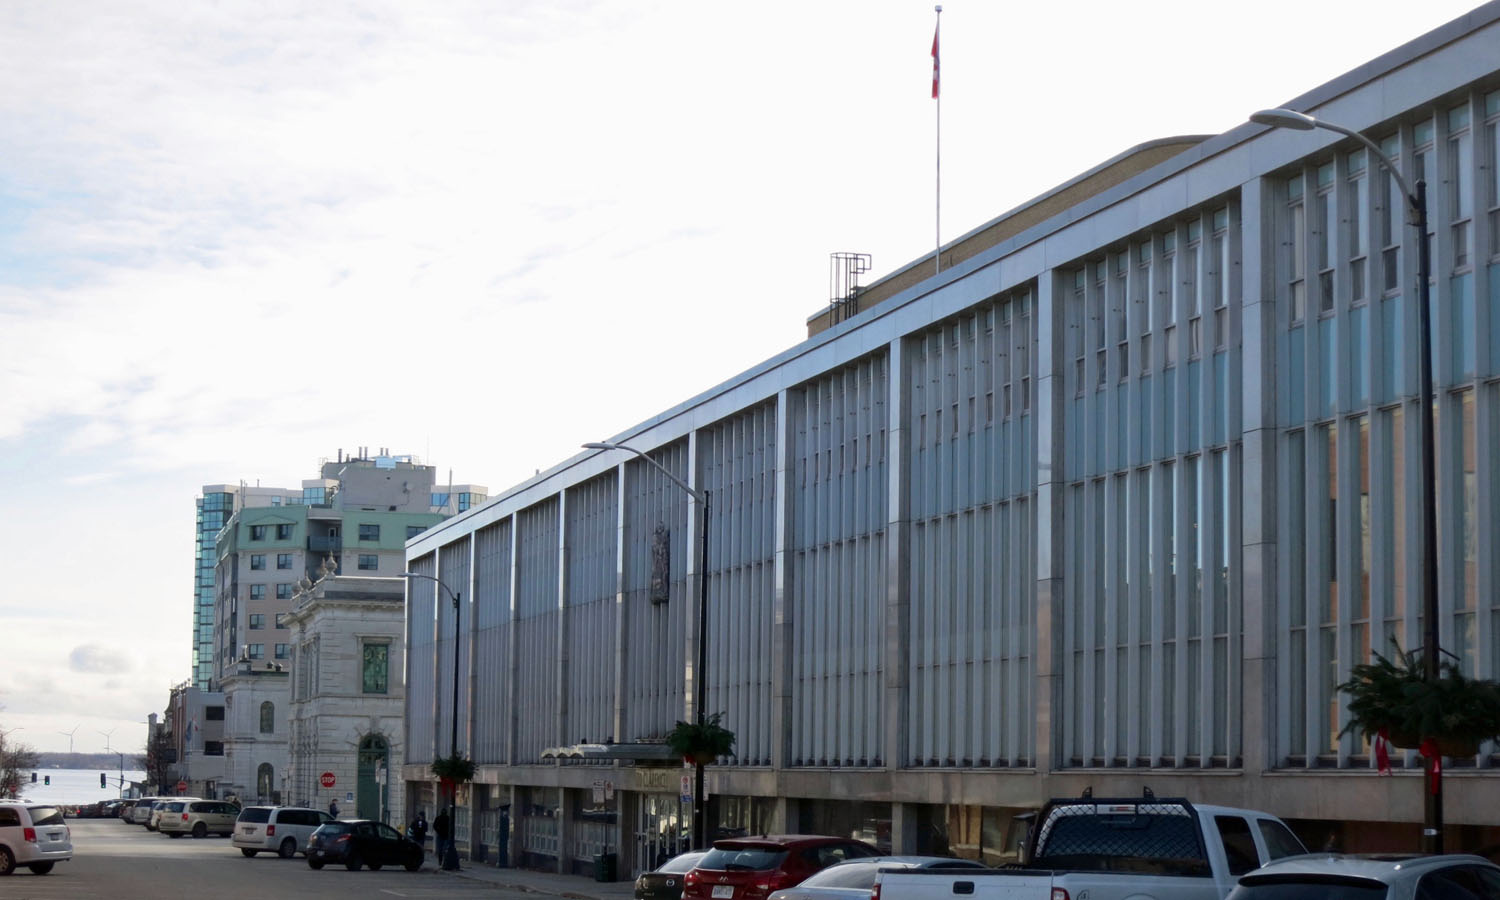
<point x="1135" y="849"/>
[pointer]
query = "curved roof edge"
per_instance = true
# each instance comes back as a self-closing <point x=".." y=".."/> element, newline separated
<point x="1045" y="205"/>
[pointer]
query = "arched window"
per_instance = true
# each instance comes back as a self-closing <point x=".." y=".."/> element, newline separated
<point x="267" y="718"/>
<point x="264" y="779"/>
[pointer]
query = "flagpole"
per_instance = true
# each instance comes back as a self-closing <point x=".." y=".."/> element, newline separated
<point x="937" y="254"/>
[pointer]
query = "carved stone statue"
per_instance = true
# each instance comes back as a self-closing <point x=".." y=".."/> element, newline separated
<point x="661" y="564"/>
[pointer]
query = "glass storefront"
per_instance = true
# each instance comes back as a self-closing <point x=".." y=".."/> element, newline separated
<point x="869" y="822"/>
<point x="990" y="834"/>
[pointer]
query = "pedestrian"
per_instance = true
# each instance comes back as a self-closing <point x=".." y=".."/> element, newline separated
<point x="442" y="826"/>
<point x="333" y="808"/>
<point x="417" y="830"/>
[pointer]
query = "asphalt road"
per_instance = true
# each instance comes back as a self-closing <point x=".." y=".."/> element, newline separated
<point x="115" y="861"/>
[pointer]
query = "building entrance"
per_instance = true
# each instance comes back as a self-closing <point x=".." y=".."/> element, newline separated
<point x="663" y="829"/>
<point x="369" y="802"/>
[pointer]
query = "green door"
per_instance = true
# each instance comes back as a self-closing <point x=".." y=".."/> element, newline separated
<point x="370" y="794"/>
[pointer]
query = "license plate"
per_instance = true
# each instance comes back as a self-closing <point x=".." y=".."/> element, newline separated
<point x="723" y="891"/>
<point x="249" y="829"/>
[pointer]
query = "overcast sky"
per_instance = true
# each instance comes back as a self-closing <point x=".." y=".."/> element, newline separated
<point x="237" y="237"/>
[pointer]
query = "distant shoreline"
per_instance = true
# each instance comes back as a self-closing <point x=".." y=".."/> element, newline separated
<point x="109" y="762"/>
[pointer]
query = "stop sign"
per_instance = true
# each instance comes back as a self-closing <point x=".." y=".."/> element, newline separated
<point x="181" y="786"/>
<point x="326" y="779"/>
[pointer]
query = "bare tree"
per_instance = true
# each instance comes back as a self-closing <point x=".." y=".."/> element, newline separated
<point x="15" y="758"/>
<point x="159" y="759"/>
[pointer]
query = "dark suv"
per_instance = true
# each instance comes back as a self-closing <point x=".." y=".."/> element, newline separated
<point x="751" y="868"/>
<point x="362" y="842"/>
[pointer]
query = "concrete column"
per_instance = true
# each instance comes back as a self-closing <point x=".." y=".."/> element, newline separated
<point x="781" y="624"/>
<point x="898" y="564"/>
<point x="903" y="828"/>
<point x="1050" y="486"/>
<point x="1260" y="719"/>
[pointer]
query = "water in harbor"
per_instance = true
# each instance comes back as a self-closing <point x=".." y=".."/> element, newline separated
<point x="76" y="787"/>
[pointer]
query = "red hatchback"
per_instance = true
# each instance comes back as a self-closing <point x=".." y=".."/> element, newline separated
<point x="751" y="868"/>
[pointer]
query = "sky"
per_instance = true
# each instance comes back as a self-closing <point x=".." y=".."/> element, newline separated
<point x="237" y="237"/>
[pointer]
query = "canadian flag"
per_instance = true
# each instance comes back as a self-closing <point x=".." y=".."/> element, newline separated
<point x="934" y="64"/>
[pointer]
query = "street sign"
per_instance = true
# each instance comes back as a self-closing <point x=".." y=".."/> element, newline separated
<point x="687" y="789"/>
<point x="181" y="786"/>
<point x="326" y="779"/>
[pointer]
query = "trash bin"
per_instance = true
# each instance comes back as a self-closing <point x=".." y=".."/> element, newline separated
<point x="604" y="867"/>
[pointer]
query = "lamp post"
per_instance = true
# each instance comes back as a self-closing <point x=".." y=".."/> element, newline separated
<point x="1416" y="215"/>
<point x="700" y="684"/>
<point x="450" y="850"/>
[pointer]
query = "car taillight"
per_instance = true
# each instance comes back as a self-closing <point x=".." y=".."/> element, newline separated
<point x="270" y="831"/>
<point x="184" y="817"/>
<point x="774" y="881"/>
<point x="341" y="839"/>
<point x="28" y="835"/>
<point x="875" y="891"/>
<point x="1059" y="893"/>
<point x="690" y="879"/>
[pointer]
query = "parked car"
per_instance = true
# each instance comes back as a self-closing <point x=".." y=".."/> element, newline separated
<point x="857" y="878"/>
<point x="665" y="883"/>
<point x="1373" y="877"/>
<point x="752" y="868"/>
<point x="153" y="819"/>
<point x="280" y="829"/>
<point x="126" y="810"/>
<point x="361" y="842"/>
<point x="198" y="818"/>
<point x="141" y="812"/>
<point x="34" y="835"/>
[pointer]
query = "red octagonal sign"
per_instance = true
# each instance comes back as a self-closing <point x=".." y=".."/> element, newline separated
<point x="326" y="779"/>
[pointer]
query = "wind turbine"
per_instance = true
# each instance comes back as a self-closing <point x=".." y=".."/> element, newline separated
<point x="70" y="737"/>
<point x="106" y="739"/>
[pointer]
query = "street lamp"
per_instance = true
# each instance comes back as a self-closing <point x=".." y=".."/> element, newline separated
<point x="700" y="684"/>
<point x="1416" y="215"/>
<point x="450" y="851"/>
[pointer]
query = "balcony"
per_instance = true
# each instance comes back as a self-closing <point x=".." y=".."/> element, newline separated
<point x="325" y="544"/>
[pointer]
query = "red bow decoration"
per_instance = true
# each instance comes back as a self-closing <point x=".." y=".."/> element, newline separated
<point x="1429" y="749"/>
<point x="1383" y="752"/>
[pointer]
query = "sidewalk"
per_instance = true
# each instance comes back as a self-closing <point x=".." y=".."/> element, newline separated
<point x="575" y="887"/>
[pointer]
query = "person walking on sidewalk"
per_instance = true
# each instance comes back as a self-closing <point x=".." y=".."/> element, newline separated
<point x="417" y="830"/>
<point x="442" y="826"/>
<point x="333" y="808"/>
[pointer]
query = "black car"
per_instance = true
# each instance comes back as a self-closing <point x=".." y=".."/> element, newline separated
<point x="666" y="882"/>
<point x="361" y="842"/>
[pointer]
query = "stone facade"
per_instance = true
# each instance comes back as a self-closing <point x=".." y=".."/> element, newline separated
<point x="346" y="696"/>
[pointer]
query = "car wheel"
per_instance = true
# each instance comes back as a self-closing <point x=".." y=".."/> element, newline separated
<point x="7" y="861"/>
<point x="247" y="851"/>
<point x="174" y="834"/>
<point x="375" y="866"/>
<point x="200" y="830"/>
<point x="41" y="868"/>
<point x="352" y="862"/>
<point x="314" y="864"/>
<point x="288" y="848"/>
<point x="413" y="865"/>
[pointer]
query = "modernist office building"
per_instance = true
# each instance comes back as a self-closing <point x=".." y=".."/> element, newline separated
<point x="1114" y="500"/>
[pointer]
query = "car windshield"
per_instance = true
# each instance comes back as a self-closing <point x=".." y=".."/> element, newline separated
<point x="256" y="814"/>
<point x="335" y="828"/>
<point x="45" y="815"/>
<point x="754" y="858"/>
<point x="681" y="863"/>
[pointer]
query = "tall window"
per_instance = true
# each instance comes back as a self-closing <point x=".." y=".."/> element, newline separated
<point x="284" y="532"/>
<point x="1297" y="239"/>
<point x="1358" y="200"/>
<point x="257" y="592"/>
<point x="1460" y="193"/>
<point x="376" y="668"/>
<point x="257" y="532"/>
<point x="267" y="718"/>
<point x="283" y="560"/>
<point x="369" y="561"/>
<point x="257" y="561"/>
<point x="1325" y="228"/>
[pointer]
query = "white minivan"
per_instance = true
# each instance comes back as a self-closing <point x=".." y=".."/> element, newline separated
<point x="34" y="835"/>
<point x="283" y="830"/>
